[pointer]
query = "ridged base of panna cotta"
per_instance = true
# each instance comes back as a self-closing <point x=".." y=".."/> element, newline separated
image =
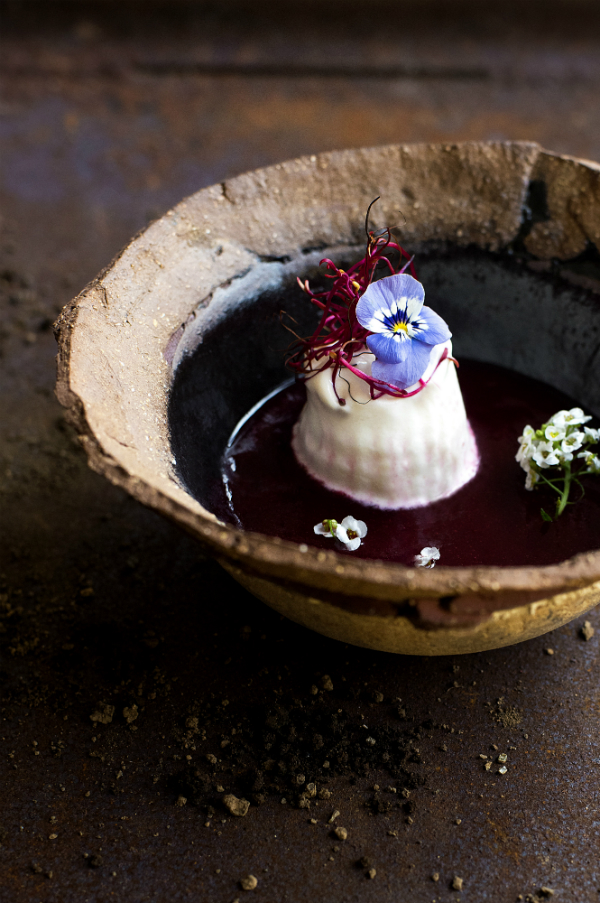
<point x="388" y="452"/>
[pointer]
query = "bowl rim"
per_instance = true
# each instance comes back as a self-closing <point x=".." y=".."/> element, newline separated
<point x="304" y="564"/>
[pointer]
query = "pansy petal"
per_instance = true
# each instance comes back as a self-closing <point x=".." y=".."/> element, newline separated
<point x="386" y="293"/>
<point x="371" y="303"/>
<point x="387" y="348"/>
<point x="432" y="330"/>
<point x="404" y="285"/>
<point x="405" y="373"/>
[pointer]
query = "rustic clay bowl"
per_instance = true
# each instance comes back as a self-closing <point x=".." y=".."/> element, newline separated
<point x="147" y="369"/>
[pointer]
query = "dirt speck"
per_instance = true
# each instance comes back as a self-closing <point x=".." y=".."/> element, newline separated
<point x="509" y="716"/>
<point x="235" y="805"/>
<point x="103" y="713"/>
<point x="249" y="883"/>
<point x="587" y="631"/>
<point x="130" y="713"/>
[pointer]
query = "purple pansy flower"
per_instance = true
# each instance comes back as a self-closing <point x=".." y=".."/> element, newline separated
<point x="404" y="332"/>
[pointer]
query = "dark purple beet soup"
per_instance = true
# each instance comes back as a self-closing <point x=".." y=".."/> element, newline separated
<point x="493" y="520"/>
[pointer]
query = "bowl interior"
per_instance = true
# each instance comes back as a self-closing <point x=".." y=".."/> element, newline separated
<point x="499" y="309"/>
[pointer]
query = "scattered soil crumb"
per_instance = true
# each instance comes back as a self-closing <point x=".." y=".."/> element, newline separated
<point x="507" y="715"/>
<point x="249" y="882"/>
<point x="103" y="714"/>
<point x="371" y="873"/>
<point x="341" y="833"/>
<point x="587" y="631"/>
<point x="457" y="883"/>
<point x="236" y="806"/>
<point x="435" y="876"/>
<point x="539" y="897"/>
<point x="549" y="651"/>
<point x="130" y="713"/>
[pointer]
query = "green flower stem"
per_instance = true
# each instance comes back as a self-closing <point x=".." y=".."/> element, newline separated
<point x="551" y="483"/>
<point x="564" y="498"/>
<point x="569" y="478"/>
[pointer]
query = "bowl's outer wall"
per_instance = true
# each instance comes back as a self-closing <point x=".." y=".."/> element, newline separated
<point x="114" y="377"/>
<point x="402" y="635"/>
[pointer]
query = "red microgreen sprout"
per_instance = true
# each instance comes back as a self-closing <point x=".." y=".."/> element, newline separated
<point x="339" y="336"/>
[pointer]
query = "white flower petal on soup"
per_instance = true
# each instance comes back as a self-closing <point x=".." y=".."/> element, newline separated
<point x="353" y="544"/>
<point x="341" y="534"/>
<point x="357" y="526"/>
<point x="427" y="557"/>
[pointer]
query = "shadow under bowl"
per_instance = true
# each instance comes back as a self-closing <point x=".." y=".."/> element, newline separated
<point x="180" y="336"/>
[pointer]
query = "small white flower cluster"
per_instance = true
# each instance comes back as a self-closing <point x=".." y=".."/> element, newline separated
<point x="557" y="443"/>
<point x="350" y="532"/>
<point x="427" y="557"/>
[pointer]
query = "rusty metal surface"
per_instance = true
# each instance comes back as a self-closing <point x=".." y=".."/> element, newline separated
<point x="108" y="118"/>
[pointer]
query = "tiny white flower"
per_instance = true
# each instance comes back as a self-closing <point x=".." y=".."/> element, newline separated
<point x="531" y="479"/>
<point x="350" y="532"/>
<point x="528" y="435"/>
<point x="554" y="432"/>
<point x="330" y="529"/>
<point x="559" y="418"/>
<point x="355" y="530"/>
<point x="574" y="417"/>
<point x="572" y="442"/>
<point x="427" y="557"/>
<point x="592" y="461"/>
<point x="545" y="455"/>
<point x="526" y="447"/>
<point x="555" y="444"/>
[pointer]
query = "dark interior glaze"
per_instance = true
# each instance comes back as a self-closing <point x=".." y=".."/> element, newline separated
<point x="500" y="312"/>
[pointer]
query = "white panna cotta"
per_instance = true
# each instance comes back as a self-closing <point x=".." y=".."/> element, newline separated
<point x="387" y="452"/>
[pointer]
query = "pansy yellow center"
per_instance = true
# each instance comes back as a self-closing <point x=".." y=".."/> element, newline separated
<point x="400" y="327"/>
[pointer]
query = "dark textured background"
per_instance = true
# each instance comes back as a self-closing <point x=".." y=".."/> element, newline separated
<point x="110" y="113"/>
